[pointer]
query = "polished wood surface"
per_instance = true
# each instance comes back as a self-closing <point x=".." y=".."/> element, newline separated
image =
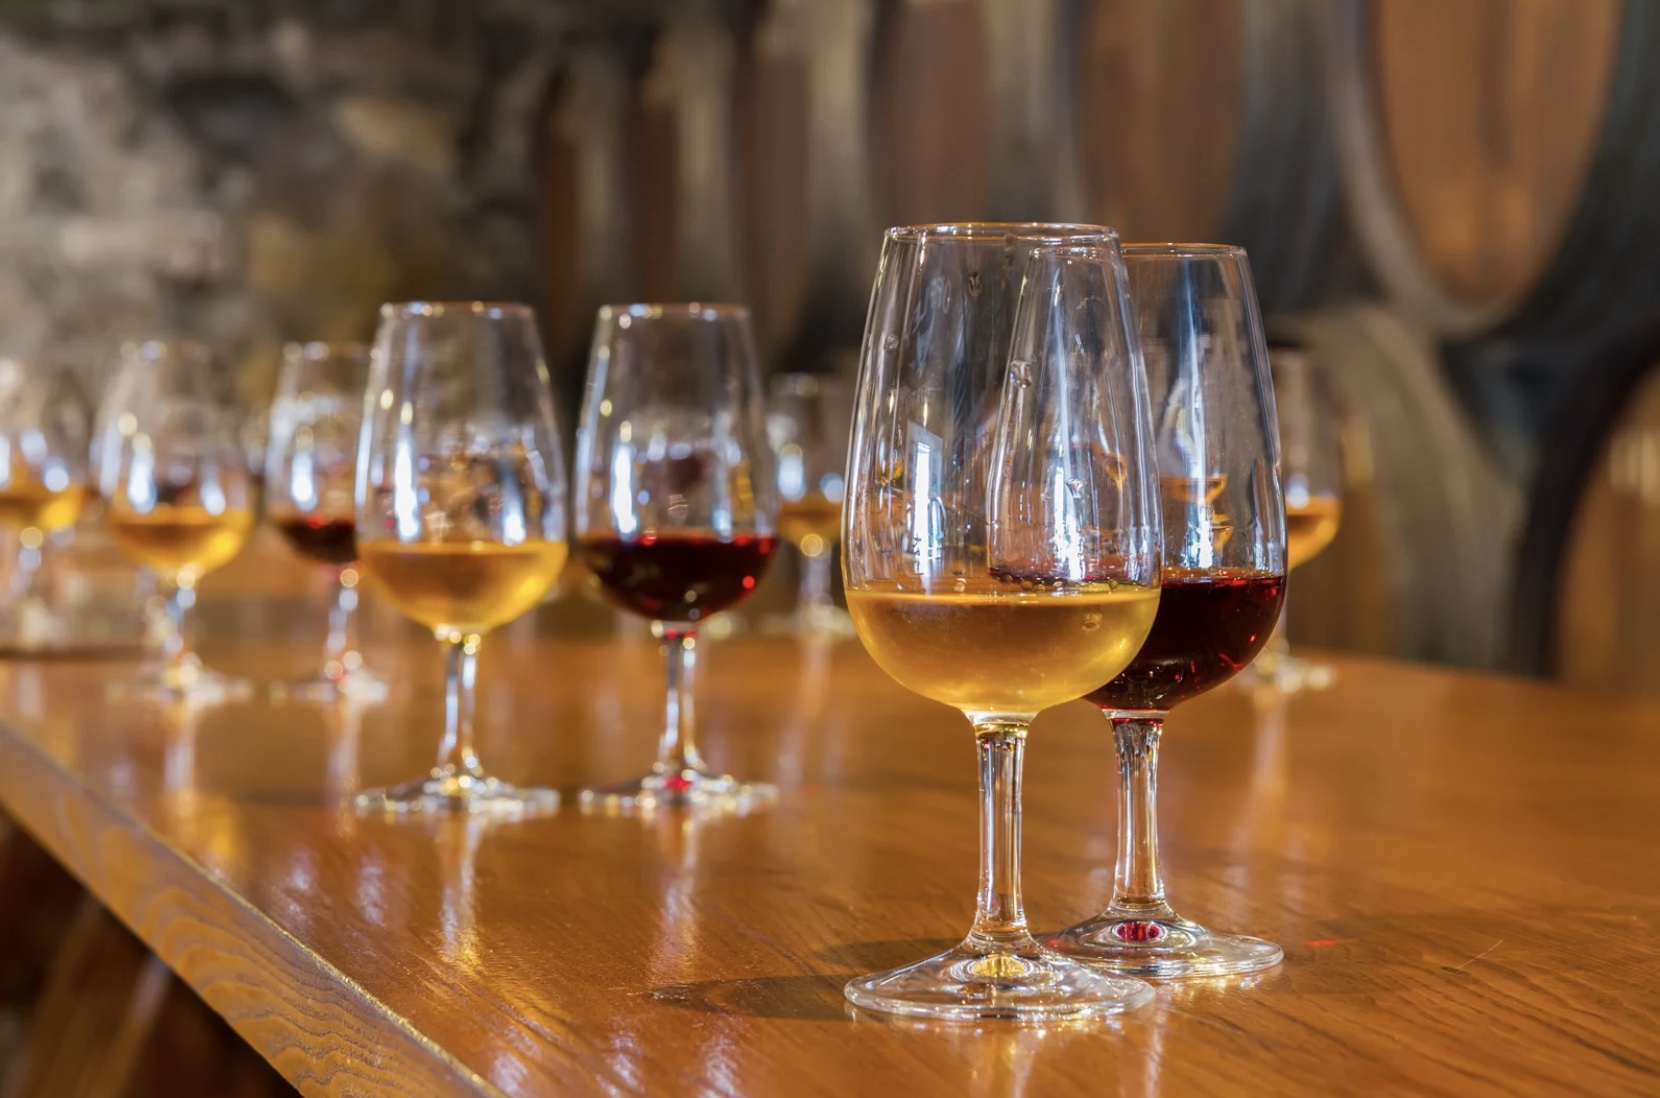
<point x="1461" y="868"/>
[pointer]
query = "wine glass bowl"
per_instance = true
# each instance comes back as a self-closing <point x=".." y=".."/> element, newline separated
<point x="460" y="492"/>
<point x="316" y="422"/>
<point x="1223" y="581"/>
<point x="676" y="508"/>
<point x="1001" y="545"/>
<point x="176" y="488"/>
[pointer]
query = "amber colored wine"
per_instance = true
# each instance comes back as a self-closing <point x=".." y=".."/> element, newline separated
<point x="1310" y="528"/>
<point x="990" y="649"/>
<point x="180" y="539"/>
<point x="27" y="504"/>
<point x="811" y="516"/>
<point x="679" y="576"/>
<point x="326" y="539"/>
<point x="1209" y="625"/>
<point x="461" y="586"/>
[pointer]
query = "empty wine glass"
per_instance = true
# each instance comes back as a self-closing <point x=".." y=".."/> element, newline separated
<point x="809" y="419"/>
<point x="1224" y="580"/>
<point x="675" y="505"/>
<point x="175" y="483"/>
<point x="310" y="493"/>
<point x="44" y="436"/>
<point x="460" y="510"/>
<point x="1001" y="544"/>
<point x="1311" y="476"/>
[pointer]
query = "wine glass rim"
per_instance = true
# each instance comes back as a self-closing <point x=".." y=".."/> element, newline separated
<point x="656" y="310"/>
<point x="315" y="350"/>
<point x="150" y="349"/>
<point x="1170" y="249"/>
<point x="1039" y="231"/>
<point x="494" y="310"/>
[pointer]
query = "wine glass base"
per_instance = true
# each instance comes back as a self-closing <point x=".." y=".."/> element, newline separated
<point x="684" y="788"/>
<point x="187" y="682"/>
<point x="1025" y="984"/>
<point x="1289" y="674"/>
<point x="359" y="685"/>
<point x="458" y="793"/>
<point x="1162" y="948"/>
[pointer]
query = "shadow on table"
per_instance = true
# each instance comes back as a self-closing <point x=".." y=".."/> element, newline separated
<point x="815" y="998"/>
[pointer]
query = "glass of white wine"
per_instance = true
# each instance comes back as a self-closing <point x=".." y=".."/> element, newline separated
<point x="809" y="419"/>
<point x="1001" y="544"/>
<point x="1311" y="478"/>
<point x="460" y="510"/>
<point x="176" y="492"/>
<point x="44" y="436"/>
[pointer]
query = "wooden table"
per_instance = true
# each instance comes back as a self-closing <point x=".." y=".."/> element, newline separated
<point x="1464" y="871"/>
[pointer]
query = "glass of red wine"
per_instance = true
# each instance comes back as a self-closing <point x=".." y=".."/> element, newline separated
<point x="1224" y="580"/>
<point x="676" y="506"/>
<point x="310" y="494"/>
<point x="1001" y="546"/>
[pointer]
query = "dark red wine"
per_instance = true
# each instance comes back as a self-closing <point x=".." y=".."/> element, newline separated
<point x="1209" y="625"/>
<point x="679" y="577"/>
<point x="321" y="538"/>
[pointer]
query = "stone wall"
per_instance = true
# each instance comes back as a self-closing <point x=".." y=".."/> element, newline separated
<point x="251" y="173"/>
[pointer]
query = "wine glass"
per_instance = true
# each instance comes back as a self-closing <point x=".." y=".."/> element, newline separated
<point x="1001" y="549"/>
<point x="175" y="485"/>
<point x="460" y="510"/>
<point x="1224" y="579"/>
<point x="675" y="505"/>
<point x="310" y="493"/>
<point x="1311" y="477"/>
<point x="44" y="436"/>
<point x="809" y="418"/>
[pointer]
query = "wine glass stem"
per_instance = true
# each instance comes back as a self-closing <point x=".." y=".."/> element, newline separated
<point x="342" y="639"/>
<point x="677" y="751"/>
<point x="455" y="754"/>
<point x="815" y="582"/>
<point x="175" y="644"/>
<point x="1000" y="916"/>
<point x="1137" y="885"/>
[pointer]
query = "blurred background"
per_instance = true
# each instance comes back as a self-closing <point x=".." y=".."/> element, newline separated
<point x="1450" y="206"/>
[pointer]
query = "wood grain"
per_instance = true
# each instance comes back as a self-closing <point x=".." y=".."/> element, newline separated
<point x="1460" y="868"/>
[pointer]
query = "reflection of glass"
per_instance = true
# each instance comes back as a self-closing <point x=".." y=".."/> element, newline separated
<point x="310" y="477"/>
<point x="809" y="418"/>
<point x="1224" y="580"/>
<point x="460" y="509"/>
<point x="1001" y="545"/>
<point x="43" y="476"/>
<point x="1311" y="470"/>
<point x="173" y="476"/>
<point x="675" y="504"/>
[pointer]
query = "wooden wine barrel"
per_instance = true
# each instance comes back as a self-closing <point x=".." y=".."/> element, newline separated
<point x="1204" y="120"/>
<point x="1587" y="592"/>
<point x="1500" y="158"/>
<point x="809" y="228"/>
<point x="585" y="224"/>
<point x="1421" y="564"/>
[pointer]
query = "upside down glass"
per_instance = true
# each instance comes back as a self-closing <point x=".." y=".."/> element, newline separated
<point x="460" y="510"/>
<point x="676" y="508"/>
<point x="175" y="483"/>
<point x="310" y="478"/>
<point x="1001" y="545"/>
<point x="1224" y="580"/>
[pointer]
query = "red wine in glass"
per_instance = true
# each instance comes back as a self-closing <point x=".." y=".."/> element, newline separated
<point x="679" y="576"/>
<point x="322" y="538"/>
<point x="1210" y="624"/>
